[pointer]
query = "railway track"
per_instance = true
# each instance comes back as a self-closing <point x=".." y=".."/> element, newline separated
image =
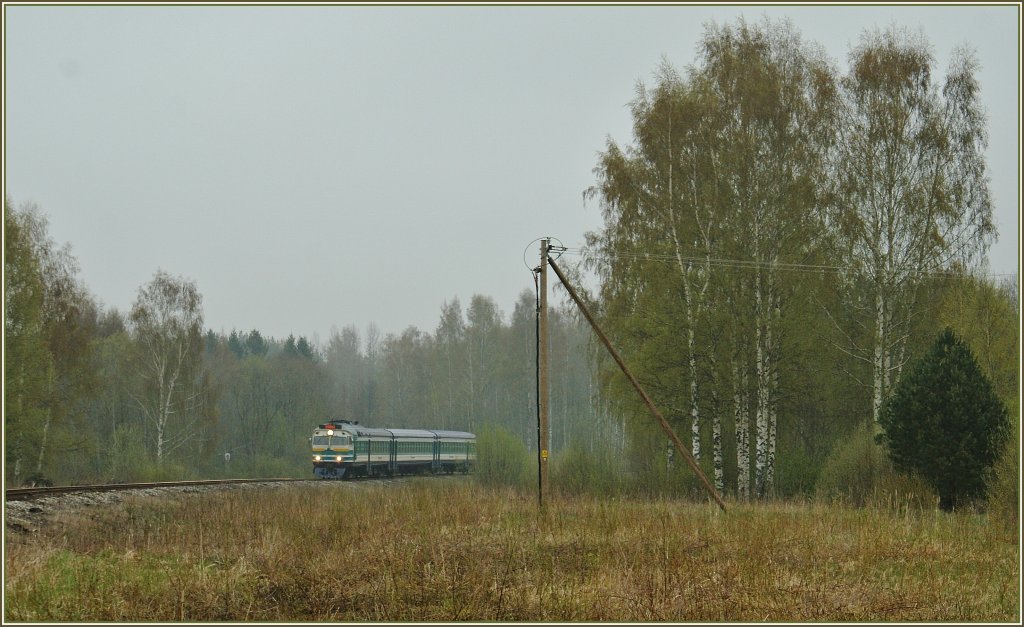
<point x="22" y="494"/>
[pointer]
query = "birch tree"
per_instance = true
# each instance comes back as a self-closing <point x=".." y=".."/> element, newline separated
<point x="773" y="99"/>
<point x="450" y="341"/>
<point x="482" y="331"/>
<point x="912" y="196"/>
<point x="25" y="356"/>
<point x="725" y="165"/>
<point x="349" y="374"/>
<point x="47" y="339"/>
<point x="659" y="207"/>
<point x="166" y="328"/>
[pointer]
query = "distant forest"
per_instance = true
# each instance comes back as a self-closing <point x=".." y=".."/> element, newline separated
<point x="780" y="243"/>
<point x="104" y="395"/>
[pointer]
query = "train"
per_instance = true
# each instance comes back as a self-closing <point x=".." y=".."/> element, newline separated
<point x="347" y="449"/>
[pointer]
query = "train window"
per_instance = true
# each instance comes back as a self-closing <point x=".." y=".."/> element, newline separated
<point x="319" y="440"/>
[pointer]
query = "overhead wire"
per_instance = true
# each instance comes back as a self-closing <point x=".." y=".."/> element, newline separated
<point x="752" y="264"/>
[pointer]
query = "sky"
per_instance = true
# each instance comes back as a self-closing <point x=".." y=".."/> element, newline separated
<point x="314" y="167"/>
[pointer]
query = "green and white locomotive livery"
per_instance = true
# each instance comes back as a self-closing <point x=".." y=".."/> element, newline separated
<point x="345" y="449"/>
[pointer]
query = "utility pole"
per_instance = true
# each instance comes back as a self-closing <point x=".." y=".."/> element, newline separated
<point x="542" y="367"/>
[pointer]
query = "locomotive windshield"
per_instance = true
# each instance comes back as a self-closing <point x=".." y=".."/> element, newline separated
<point x="337" y="439"/>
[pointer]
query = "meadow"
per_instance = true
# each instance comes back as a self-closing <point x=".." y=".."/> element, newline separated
<point x="451" y="550"/>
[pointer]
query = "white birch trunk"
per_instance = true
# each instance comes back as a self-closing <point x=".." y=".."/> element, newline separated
<point x="716" y="428"/>
<point x="159" y="443"/>
<point x="745" y="440"/>
<point x="46" y="423"/>
<point x="160" y="420"/>
<point x="694" y="305"/>
<point x="742" y="467"/>
<point x="878" y="364"/>
<point x="472" y="388"/>
<point x="42" y="444"/>
<point x="773" y="380"/>
<point x="166" y="396"/>
<point x="897" y="368"/>
<point x="694" y="409"/>
<point x="761" y="417"/>
<point x="21" y="412"/>
<point x="772" y="420"/>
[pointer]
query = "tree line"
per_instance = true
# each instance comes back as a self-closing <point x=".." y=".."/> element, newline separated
<point x="781" y="239"/>
<point x="94" y="394"/>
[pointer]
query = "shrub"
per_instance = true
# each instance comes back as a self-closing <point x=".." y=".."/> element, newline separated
<point x="264" y="465"/>
<point x="858" y="472"/>
<point x="853" y="469"/>
<point x="502" y="459"/>
<point x="796" y="472"/>
<point x="577" y="471"/>
<point x="1004" y="494"/>
<point x="128" y="459"/>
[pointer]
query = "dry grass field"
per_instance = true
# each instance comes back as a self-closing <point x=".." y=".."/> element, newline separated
<point x="449" y="550"/>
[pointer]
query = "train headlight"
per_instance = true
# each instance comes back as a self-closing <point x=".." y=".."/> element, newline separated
<point x="316" y="458"/>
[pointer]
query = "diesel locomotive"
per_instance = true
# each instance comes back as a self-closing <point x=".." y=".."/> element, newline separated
<point x="347" y="449"/>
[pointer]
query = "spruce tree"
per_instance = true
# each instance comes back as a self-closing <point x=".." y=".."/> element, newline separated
<point x="945" y="422"/>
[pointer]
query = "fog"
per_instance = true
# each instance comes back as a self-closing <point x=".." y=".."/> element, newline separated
<point x="313" y="167"/>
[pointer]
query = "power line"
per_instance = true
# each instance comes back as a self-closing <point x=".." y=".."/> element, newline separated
<point x="751" y="264"/>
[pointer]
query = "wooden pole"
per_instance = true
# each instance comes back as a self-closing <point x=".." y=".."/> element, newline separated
<point x="542" y="364"/>
<point x="629" y="375"/>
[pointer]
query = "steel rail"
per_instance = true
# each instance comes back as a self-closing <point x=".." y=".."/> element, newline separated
<point x="20" y="494"/>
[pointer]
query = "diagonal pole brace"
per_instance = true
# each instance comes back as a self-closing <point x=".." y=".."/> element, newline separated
<point x="647" y="400"/>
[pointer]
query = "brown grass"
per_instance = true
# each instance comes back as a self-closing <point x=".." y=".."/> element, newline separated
<point x="440" y="550"/>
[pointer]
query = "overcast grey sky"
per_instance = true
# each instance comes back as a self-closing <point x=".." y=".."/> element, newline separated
<point x="319" y="166"/>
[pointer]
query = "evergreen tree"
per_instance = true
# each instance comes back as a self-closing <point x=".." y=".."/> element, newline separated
<point x="945" y="422"/>
<point x="236" y="345"/>
<point x="304" y="348"/>
<point x="255" y="344"/>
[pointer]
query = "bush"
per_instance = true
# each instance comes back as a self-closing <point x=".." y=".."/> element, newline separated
<point x="796" y="473"/>
<point x="128" y="459"/>
<point x="576" y="471"/>
<point x="1004" y="493"/>
<point x="858" y="472"/>
<point x="502" y="459"/>
<point x="264" y="465"/>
